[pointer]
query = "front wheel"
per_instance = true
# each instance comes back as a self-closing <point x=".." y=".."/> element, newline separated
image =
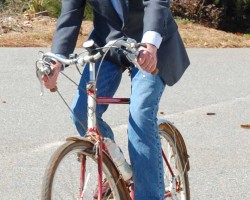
<point x="175" y="167"/>
<point x="72" y="173"/>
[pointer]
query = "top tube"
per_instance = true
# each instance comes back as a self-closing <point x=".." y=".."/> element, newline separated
<point x="111" y="100"/>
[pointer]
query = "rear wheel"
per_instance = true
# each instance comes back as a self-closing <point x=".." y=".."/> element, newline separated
<point x="175" y="173"/>
<point x="72" y="173"/>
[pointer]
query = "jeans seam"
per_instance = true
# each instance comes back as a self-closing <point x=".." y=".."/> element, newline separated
<point x="158" y="143"/>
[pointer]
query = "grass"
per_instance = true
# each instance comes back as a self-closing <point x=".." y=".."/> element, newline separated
<point x="40" y="34"/>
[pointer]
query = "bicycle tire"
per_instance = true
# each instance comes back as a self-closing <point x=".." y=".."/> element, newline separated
<point x="179" y="168"/>
<point x="55" y="170"/>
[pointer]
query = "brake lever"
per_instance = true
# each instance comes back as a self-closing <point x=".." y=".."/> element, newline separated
<point x="44" y="69"/>
<point x="39" y="77"/>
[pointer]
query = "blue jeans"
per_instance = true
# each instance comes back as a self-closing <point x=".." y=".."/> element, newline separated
<point x="144" y="142"/>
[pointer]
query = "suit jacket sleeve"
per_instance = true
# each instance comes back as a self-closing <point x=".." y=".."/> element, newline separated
<point x="155" y="15"/>
<point x="68" y="27"/>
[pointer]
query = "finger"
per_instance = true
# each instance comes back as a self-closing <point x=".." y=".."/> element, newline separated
<point x="44" y="78"/>
<point x="153" y="65"/>
<point x="155" y="71"/>
<point x="141" y="58"/>
<point x="50" y="85"/>
<point x="150" y="68"/>
<point x="50" y="81"/>
<point x="146" y="65"/>
<point x="53" y="89"/>
<point x="150" y="64"/>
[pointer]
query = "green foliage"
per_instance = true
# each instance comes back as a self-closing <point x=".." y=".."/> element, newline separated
<point x="88" y="13"/>
<point x="33" y="6"/>
<point x="216" y="2"/>
<point x="236" y="15"/>
<point x="197" y="11"/>
<point x="53" y="7"/>
<point x="247" y="35"/>
<point x="229" y="15"/>
<point x="36" y="6"/>
<point x="14" y="6"/>
<point x="2" y="2"/>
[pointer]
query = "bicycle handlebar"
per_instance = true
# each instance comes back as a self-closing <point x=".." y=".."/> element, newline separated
<point x="129" y="47"/>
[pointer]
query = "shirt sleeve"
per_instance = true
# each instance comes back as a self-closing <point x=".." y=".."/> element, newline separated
<point x="152" y="37"/>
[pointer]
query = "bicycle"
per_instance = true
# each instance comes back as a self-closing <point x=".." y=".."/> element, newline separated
<point x="81" y="163"/>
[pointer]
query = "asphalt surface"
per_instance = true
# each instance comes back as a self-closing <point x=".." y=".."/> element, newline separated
<point x="217" y="82"/>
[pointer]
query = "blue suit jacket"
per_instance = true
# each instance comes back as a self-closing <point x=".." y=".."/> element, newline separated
<point x="138" y="16"/>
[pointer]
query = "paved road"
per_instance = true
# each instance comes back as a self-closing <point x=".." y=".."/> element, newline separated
<point x="31" y="127"/>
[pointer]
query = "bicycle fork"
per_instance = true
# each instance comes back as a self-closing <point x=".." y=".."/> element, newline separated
<point x="85" y="177"/>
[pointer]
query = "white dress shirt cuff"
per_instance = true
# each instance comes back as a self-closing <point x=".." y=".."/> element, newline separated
<point x="152" y="37"/>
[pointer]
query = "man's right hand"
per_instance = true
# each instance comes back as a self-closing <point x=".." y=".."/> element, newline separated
<point x="147" y="58"/>
<point x="50" y="81"/>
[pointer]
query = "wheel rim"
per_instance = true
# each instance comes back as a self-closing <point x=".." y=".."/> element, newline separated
<point x="70" y="183"/>
<point x="175" y="187"/>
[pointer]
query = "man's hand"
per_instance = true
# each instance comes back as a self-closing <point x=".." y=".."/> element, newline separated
<point x="147" y="58"/>
<point x="50" y="82"/>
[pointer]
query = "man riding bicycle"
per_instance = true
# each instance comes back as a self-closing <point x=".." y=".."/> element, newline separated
<point x="146" y="21"/>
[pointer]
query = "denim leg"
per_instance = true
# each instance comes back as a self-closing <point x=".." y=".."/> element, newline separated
<point x="144" y="141"/>
<point x="108" y="81"/>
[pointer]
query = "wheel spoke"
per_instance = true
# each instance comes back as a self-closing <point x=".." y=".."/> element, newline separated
<point x="73" y="174"/>
<point x="175" y="177"/>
